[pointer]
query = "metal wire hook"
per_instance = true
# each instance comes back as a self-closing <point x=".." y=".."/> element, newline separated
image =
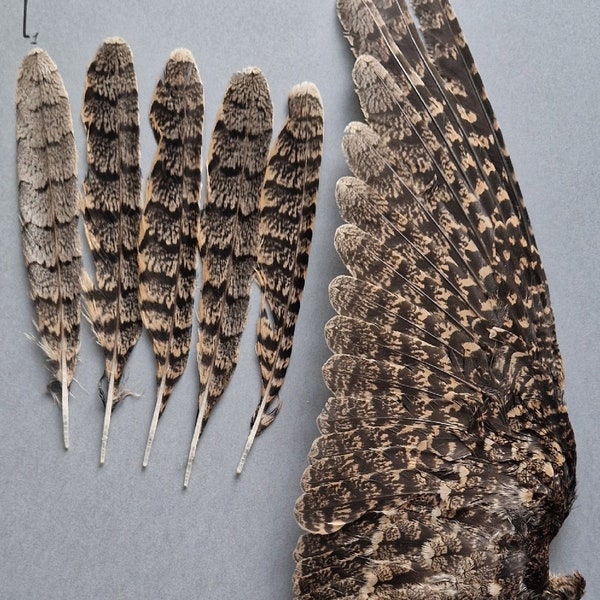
<point x="25" y="35"/>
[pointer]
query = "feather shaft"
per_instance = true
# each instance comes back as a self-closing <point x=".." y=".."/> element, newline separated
<point x="48" y="211"/>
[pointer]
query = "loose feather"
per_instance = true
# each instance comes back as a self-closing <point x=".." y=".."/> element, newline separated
<point x="111" y="211"/>
<point x="48" y="211"/>
<point x="446" y="462"/>
<point x="168" y="248"/>
<point x="287" y="211"/>
<point x="237" y="160"/>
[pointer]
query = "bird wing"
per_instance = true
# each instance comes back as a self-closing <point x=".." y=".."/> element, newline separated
<point x="446" y="459"/>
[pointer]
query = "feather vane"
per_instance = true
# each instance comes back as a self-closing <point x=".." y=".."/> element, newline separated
<point x="112" y="206"/>
<point x="48" y="211"/>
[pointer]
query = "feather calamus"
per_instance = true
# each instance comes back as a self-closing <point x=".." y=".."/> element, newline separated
<point x="111" y="211"/>
<point x="48" y="210"/>
<point x="287" y="212"/>
<point x="237" y="159"/>
<point x="168" y="243"/>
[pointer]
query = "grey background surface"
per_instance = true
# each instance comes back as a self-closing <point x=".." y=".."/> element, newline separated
<point x="70" y="529"/>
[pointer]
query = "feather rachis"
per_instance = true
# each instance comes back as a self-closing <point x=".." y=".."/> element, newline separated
<point x="169" y="226"/>
<point x="287" y="212"/>
<point x="229" y="234"/>
<point x="112" y="204"/>
<point x="48" y="210"/>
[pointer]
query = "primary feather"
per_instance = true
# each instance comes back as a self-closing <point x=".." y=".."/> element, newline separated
<point x="237" y="159"/>
<point x="111" y="211"/>
<point x="168" y="242"/>
<point x="287" y="212"/>
<point x="48" y="211"/>
<point x="446" y="462"/>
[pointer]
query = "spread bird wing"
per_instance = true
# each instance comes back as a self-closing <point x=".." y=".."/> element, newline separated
<point x="446" y="461"/>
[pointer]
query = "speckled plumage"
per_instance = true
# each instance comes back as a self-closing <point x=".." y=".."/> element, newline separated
<point x="168" y="241"/>
<point x="446" y="462"/>
<point x="111" y="210"/>
<point x="287" y="213"/>
<point x="237" y="159"/>
<point x="48" y="211"/>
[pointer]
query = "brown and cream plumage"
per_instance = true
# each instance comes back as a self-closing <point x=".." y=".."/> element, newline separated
<point x="168" y="242"/>
<point x="446" y="461"/>
<point x="48" y="211"/>
<point x="237" y="159"/>
<point x="111" y="211"/>
<point x="287" y="212"/>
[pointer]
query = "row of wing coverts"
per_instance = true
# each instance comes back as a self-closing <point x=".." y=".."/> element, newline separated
<point x="255" y="223"/>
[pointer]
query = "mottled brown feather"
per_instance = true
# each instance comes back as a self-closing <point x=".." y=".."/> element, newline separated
<point x="48" y="211"/>
<point x="237" y="159"/>
<point x="168" y="250"/>
<point x="111" y="210"/>
<point x="287" y="212"/>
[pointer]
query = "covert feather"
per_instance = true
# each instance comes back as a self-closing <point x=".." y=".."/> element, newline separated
<point x="168" y="242"/>
<point x="111" y="211"/>
<point x="48" y="211"/>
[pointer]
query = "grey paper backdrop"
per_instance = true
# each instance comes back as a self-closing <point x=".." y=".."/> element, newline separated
<point x="72" y="530"/>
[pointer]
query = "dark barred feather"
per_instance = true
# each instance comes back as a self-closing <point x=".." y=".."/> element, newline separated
<point x="48" y="211"/>
<point x="287" y="211"/>
<point x="168" y="249"/>
<point x="237" y="159"/>
<point x="446" y="462"/>
<point x="112" y="204"/>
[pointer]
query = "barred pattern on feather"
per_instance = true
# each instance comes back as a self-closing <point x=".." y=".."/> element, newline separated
<point x="168" y="243"/>
<point x="237" y="159"/>
<point x="111" y="211"/>
<point x="446" y="462"/>
<point x="287" y="212"/>
<point x="48" y="210"/>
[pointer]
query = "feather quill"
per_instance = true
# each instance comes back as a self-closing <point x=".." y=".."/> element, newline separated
<point x="168" y="242"/>
<point x="48" y="211"/>
<point x="237" y="159"/>
<point x="446" y="462"/>
<point x="287" y="212"/>
<point x="111" y="211"/>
